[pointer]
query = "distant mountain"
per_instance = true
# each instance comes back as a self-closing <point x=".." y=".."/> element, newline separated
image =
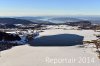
<point x="45" y="19"/>
<point x="39" y="20"/>
<point x="93" y="19"/>
<point x="64" y="19"/>
<point x="14" y="21"/>
<point x="29" y="18"/>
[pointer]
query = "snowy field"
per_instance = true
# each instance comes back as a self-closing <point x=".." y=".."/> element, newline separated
<point x="53" y="56"/>
<point x="88" y="34"/>
<point x="49" y="56"/>
<point x="64" y="29"/>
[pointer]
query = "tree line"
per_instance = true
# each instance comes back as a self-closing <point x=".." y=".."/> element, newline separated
<point x="9" y="37"/>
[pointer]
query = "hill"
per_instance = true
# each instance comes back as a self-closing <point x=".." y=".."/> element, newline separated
<point x="15" y="21"/>
<point x="64" y="19"/>
<point x="38" y="20"/>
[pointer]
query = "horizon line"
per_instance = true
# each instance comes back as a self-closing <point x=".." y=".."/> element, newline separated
<point x="42" y="15"/>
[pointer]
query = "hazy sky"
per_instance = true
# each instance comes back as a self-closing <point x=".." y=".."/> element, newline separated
<point x="49" y="7"/>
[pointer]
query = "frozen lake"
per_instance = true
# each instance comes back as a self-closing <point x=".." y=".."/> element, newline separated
<point x="58" y="40"/>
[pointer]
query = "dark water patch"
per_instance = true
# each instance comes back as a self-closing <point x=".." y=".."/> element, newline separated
<point x="58" y="40"/>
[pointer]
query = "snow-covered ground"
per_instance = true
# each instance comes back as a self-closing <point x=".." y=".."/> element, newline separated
<point x="53" y="56"/>
<point x="88" y="34"/>
<point x="49" y="56"/>
<point x="64" y="29"/>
